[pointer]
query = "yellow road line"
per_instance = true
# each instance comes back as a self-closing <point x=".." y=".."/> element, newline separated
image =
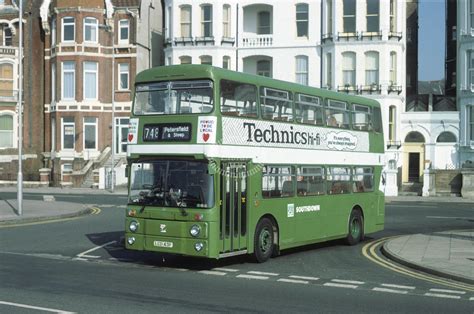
<point x="95" y="210"/>
<point x="369" y="252"/>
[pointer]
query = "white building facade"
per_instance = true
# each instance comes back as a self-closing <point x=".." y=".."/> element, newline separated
<point x="465" y="78"/>
<point x="357" y="47"/>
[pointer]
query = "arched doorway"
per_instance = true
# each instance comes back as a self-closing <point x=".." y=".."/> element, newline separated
<point x="413" y="157"/>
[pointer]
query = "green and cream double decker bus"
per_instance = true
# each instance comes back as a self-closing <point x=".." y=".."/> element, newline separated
<point x="222" y="163"/>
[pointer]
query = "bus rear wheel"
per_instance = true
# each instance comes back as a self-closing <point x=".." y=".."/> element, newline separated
<point x="264" y="240"/>
<point x="356" y="228"/>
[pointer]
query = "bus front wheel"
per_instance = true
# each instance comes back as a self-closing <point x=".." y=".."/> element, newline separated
<point x="264" y="241"/>
<point x="356" y="228"/>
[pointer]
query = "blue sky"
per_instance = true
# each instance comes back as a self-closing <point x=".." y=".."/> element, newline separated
<point x="432" y="38"/>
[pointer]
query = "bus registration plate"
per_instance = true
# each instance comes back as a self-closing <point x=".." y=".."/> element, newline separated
<point x="163" y="244"/>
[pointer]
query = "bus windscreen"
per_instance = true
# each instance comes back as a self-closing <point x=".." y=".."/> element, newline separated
<point x="171" y="183"/>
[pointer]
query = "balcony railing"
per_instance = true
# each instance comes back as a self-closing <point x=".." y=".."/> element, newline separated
<point x="258" y="41"/>
<point x="393" y="88"/>
<point x="370" y="89"/>
<point x="394" y="144"/>
<point x="397" y="35"/>
<point x="8" y="51"/>
<point x="371" y="35"/>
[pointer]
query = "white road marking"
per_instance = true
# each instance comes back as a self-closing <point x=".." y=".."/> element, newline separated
<point x="411" y="206"/>
<point x="304" y="277"/>
<point x="340" y="285"/>
<point x="471" y="299"/>
<point x="84" y="254"/>
<point x="89" y="256"/>
<point x="211" y="272"/>
<point x="353" y="282"/>
<point x="293" y="281"/>
<point x="25" y="306"/>
<point x="252" y="277"/>
<point x="48" y="198"/>
<point x="226" y="269"/>
<point x="390" y="290"/>
<point x="262" y="273"/>
<point x="446" y="296"/>
<point x="397" y="286"/>
<point x="448" y="291"/>
<point x="447" y="217"/>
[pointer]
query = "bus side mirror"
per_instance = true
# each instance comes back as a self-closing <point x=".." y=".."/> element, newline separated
<point x="212" y="167"/>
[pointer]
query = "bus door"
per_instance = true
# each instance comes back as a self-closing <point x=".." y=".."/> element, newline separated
<point x="233" y="207"/>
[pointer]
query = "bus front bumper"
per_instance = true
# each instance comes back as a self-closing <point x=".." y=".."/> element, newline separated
<point x="171" y="245"/>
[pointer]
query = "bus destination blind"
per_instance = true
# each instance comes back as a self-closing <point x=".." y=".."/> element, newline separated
<point x="167" y="132"/>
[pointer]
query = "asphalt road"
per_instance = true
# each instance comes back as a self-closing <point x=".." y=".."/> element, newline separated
<point x="80" y="265"/>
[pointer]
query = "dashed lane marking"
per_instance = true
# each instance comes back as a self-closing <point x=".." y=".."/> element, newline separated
<point x="230" y="270"/>
<point x="353" y="282"/>
<point x="291" y="279"/>
<point x="304" y="282"/>
<point x="448" y="291"/>
<point x="212" y="272"/>
<point x="340" y="285"/>
<point x="304" y="277"/>
<point x="262" y="273"/>
<point x="389" y="285"/>
<point x="445" y="296"/>
<point x="448" y="217"/>
<point x="390" y="290"/>
<point x="252" y="277"/>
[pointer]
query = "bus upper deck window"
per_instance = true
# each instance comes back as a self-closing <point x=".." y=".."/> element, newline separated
<point x="361" y="118"/>
<point x="238" y="99"/>
<point x="337" y="114"/>
<point x="175" y="97"/>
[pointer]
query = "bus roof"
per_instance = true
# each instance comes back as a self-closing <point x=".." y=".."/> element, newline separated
<point x="200" y="71"/>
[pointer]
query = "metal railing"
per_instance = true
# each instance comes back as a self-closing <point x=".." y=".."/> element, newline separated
<point x="258" y="41"/>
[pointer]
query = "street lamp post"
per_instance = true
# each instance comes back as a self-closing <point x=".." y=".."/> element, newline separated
<point x="110" y="30"/>
<point x="112" y="181"/>
<point x="20" y="113"/>
<point x="150" y="7"/>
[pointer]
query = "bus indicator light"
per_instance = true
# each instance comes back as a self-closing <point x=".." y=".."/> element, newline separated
<point x="198" y="217"/>
<point x="132" y="212"/>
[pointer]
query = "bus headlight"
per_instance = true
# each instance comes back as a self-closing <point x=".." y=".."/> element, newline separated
<point x="133" y="226"/>
<point x="198" y="246"/>
<point x="131" y="240"/>
<point x="195" y="230"/>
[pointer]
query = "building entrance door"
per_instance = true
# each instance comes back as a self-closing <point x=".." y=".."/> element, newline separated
<point x="413" y="167"/>
<point x="413" y="157"/>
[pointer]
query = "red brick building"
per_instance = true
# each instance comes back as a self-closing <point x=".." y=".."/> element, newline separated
<point x="33" y="91"/>
<point x="92" y="51"/>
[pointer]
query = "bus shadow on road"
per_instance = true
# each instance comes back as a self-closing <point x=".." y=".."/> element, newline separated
<point x="115" y="250"/>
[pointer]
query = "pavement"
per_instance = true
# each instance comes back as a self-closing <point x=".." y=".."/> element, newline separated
<point x="448" y="254"/>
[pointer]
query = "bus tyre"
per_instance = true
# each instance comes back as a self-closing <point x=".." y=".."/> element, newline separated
<point x="356" y="228"/>
<point x="263" y="244"/>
